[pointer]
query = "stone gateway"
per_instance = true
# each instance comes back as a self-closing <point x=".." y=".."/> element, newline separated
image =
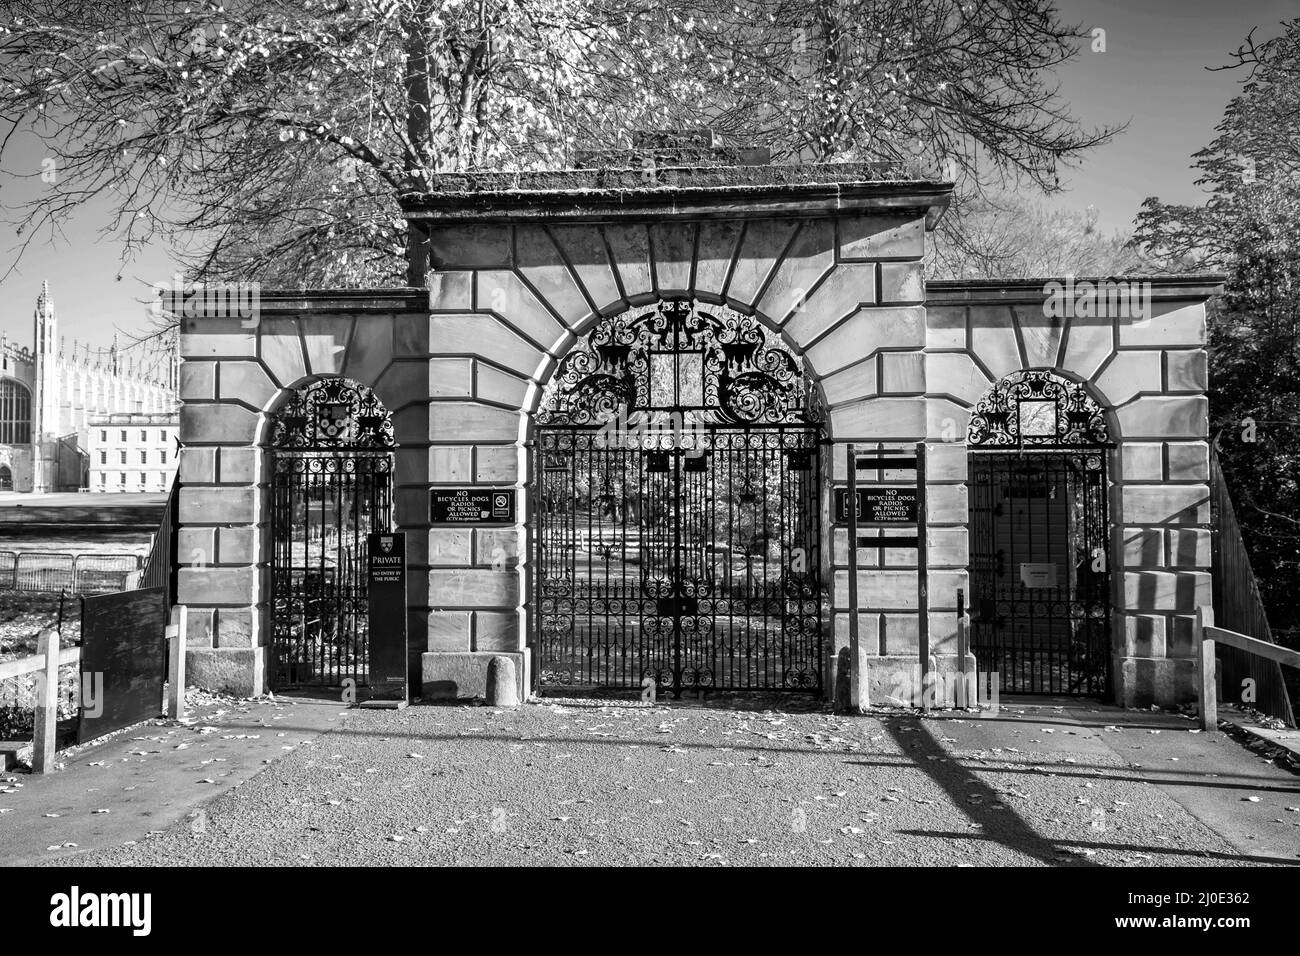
<point x="664" y="374"/>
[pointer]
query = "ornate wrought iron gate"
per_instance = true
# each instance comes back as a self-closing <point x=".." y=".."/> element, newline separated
<point x="331" y="485"/>
<point x="678" y="509"/>
<point x="1039" y="537"/>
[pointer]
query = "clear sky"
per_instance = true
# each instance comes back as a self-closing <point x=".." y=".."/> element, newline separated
<point x="1152" y="75"/>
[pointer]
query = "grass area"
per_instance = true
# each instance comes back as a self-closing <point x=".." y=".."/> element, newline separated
<point x="22" y="616"/>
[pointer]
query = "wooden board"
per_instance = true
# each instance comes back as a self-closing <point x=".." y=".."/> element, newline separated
<point x="123" y="660"/>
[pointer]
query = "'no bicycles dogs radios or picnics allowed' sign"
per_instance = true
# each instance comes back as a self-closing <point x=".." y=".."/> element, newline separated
<point x="879" y="505"/>
<point x="471" y="506"/>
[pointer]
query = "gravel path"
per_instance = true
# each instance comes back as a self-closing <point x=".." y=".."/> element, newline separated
<point x="621" y="783"/>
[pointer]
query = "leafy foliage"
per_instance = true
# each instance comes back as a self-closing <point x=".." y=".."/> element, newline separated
<point x="271" y="139"/>
<point x="1002" y="237"/>
<point x="1250" y="229"/>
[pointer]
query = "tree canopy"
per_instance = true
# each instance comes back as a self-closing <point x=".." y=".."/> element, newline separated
<point x="1008" y="237"/>
<point x="271" y="139"/>
<point x="1249" y="228"/>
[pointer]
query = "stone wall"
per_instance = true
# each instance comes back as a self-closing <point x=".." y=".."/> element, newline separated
<point x="233" y="375"/>
<point x="508" y="300"/>
<point x="1150" y="375"/>
<point x="461" y="367"/>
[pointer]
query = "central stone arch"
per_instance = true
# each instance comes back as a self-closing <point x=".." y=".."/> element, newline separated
<point x="677" y="507"/>
<point x="838" y="284"/>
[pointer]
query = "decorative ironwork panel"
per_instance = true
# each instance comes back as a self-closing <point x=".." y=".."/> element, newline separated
<point x="331" y="485"/>
<point x="695" y="562"/>
<point x="1039" y="572"/>
<point x="713" y="364"/>
<point x="332" y="414"/>
<point x="1037" y="408"/>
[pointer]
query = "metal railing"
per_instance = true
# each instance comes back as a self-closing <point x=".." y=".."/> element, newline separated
<point x="75" y="573"/>
<point x="159" y="568"/>
<point x="1239" y="608"/>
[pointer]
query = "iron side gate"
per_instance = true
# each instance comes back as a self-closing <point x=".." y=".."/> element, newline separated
<point x="1039" y="578"/>
<point x="698" y="567"/>
<point x="331" y="486"/>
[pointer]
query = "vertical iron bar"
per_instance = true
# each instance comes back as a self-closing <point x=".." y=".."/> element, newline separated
<point x="852" y="508"/>
<point x="923" y="578"/>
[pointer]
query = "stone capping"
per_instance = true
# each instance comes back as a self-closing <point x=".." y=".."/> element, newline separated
<point x="631" y="178"/>
<point x="335" y="301"/>
<point x="1019" y="291"/>
<point x="716" y="192"/>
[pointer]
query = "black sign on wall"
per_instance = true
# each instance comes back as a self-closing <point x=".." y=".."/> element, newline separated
<point x="386" y="590"/>
<point x="879" y="504"/>
<point x="472" y="506"/>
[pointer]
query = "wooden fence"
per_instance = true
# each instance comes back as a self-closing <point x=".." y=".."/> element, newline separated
<point x="45" y="664"/>
<point x="1239" y="608"/>
<point x="1208" y="640"/>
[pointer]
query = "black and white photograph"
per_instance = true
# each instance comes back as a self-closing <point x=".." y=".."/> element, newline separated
<point x="786" y="436"/>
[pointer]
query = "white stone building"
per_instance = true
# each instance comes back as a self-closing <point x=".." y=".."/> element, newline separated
<point x="49" y="393"/>
<point x="132" y="452"/>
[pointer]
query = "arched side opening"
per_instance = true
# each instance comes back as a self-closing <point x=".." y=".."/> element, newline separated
<point x="677" y="507"/>
<point x="1039" y="533"/>
<point x="6" y="478"/>
<point x="331" y="484"/>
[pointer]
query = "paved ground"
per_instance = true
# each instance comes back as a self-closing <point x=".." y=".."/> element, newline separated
<point x="599" y="782"/>
<point x="141" y="780"/>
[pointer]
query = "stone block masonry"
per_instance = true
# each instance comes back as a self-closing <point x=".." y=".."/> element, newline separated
<point x="1147" y="373"/>
<point x="513" y="276"/>
<point x="841" y="285"/>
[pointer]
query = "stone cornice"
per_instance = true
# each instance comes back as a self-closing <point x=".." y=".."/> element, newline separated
<point x="685" y="192"/>
<point x="1019" y="291"/>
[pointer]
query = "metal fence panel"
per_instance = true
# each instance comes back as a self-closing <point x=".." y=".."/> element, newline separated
<point x="75" y="573"/>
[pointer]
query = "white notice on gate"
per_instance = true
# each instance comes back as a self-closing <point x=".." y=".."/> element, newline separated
<point x="1038" y="575"/>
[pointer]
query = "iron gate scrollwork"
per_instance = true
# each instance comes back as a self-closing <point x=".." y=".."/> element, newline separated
<point x="678" y="508"/>
<point x="1039" y="536"/>
<point x="331" y="485"/>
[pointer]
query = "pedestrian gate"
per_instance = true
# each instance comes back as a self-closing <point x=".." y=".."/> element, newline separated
<point x="331" y="485"/>
<point x="678" y="509"/>
<point x="1039" y="537"/>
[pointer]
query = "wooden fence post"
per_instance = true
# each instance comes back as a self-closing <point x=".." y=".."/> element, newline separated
<point x="176" y="664"/>
<point x="1207" y="688"/>
<point x="46" y="714"/>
